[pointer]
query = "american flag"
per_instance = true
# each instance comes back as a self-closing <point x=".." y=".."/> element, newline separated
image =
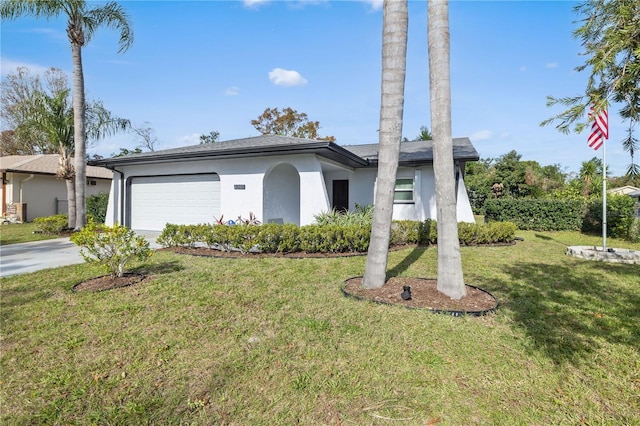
<point x="599" y="129"/>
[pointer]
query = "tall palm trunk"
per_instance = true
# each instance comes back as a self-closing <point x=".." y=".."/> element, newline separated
<point x="71" y="201"/>
<point x="79" y="136"/>
<point x="394" y="58"/>
<point x="66" y="171"/>
<point x="450" y="279"/>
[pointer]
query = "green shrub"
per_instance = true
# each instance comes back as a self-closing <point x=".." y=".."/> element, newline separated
<point x="634" y="232"/>
<point x="97" y="207"/>
<point x="51" y="225"/>
<point x="620" y="216"/>
<point x="111" y="246"/>
<point x="362" y="215"/>
<point x="536" y="214"/>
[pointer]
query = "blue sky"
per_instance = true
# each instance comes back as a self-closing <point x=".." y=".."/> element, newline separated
<point x="198" y="66"/>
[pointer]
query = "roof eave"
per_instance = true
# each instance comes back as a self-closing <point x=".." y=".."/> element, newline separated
<point x="325" y="149"/>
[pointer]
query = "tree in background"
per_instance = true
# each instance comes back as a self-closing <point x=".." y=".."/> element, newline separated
<point x="590" y="177"/>
<point x="288" y="122"/>
<point x="212" y="137"/>
<point x="50" y="119"/>
<point x="450" y="277"/>
<point x="610" y="34"/>
<point x="19" y="90"/>
<point x="395" y="24"/>
<point x="424" y="135"/>
<point x="83" y="19"/>
<point x="146" y="136"/>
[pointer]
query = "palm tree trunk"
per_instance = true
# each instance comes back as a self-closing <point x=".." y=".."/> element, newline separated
<point x="71" y="201"/>
<point x="450" y="278"/>
<point x="79" y="136"/>
<point x="394" y="57"/>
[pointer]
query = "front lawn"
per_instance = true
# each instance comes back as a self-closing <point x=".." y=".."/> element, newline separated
<point x="15" y="233"/>
<point x="273" y="341"/>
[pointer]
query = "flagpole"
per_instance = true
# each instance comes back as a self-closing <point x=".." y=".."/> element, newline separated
<point x="604" y="195"/>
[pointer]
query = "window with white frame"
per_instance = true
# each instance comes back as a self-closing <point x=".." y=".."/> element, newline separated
<point x="403" y="192"/>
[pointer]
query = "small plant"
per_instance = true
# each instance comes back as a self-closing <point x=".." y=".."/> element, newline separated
<point x="51" y="225"/>
<point x="111" y="247"/>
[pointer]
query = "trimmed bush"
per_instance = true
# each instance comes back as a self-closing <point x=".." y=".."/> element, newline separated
<point x="536" y="214"/>
<point x="276" y="238"/>
<point x="51" y="225"/>
<point x="620" y="216"/>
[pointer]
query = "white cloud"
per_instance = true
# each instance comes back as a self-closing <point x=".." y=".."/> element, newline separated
<point x="481" y="135"/>
<point x="187" y="140"/>
<point x="7" y="66"/>
<point x="375" y="4"/>
<point x="255" y="3"/>
<point x="232" y="91"/>
<point x="282" y="77"/>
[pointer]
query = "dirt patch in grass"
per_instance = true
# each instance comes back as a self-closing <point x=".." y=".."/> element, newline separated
<point x="424" y="295"/>
<point x="107" y="282"/>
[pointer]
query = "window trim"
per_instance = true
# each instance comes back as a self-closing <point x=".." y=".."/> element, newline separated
<point x="411" y="190"/>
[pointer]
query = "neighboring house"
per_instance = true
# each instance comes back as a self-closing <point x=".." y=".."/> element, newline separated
<point x="623" y="190"/>
<point x="279" y="179"/>
<point x="636" y="196"/>
<point x="31" y="180"/>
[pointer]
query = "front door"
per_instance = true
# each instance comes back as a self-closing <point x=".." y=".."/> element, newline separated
<point x="341" y="195"/>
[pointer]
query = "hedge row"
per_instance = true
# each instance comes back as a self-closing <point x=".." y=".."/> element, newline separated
<point x="276" y="238"/>
<point x="564" y="215"/>
<point x="536" y="214"/>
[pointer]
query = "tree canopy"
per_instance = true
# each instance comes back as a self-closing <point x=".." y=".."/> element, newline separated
<point x="288" y="122"/>
<point x="610" y="35"/>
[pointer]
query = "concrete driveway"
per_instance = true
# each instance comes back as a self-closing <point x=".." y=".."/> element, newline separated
<point x="37" y="255"/>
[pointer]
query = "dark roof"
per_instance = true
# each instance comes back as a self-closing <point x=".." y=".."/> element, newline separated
<point x="412" y="153"/>
<point x="417" y="153"/>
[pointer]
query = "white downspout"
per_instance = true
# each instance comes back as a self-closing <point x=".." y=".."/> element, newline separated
<point x="23" y="181"/>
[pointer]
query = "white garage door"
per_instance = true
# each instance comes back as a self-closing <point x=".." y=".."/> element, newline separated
<point x="178" y="199"/>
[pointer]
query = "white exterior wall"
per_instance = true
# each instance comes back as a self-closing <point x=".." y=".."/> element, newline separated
<point x="249" y="172"/>
<point x="40" y="192"/>
<point x="314" y="197"/>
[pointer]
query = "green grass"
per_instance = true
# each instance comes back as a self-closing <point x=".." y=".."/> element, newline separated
<point x="273" y="341"/>
<point x="21" y="233"/>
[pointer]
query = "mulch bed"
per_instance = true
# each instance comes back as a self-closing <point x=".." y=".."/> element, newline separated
<point x="424" y="295"/>
<point x="106" y="282"/>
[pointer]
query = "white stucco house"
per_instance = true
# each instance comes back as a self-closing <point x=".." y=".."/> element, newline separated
<point x="279" y="179"/>
<point x="30" y="185"/>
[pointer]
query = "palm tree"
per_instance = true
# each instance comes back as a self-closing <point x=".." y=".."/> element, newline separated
<point x="53" y="117"/>
<point x="83" y="19"/>
<point x="394" y="57"/>
<point x="450" y="278"/>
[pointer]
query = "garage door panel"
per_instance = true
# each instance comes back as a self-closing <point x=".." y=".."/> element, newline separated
<point x="178" y="199"/>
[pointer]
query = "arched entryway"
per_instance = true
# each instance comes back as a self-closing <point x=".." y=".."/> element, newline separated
<point x="281" y="195"/>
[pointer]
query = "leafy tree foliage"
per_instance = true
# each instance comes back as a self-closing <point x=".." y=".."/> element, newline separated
<point x="125" y="151"/>
<point x="19" y="91"/>
<point x="83" y="20"/>
<point x="212" y="137"/>
<point x="288" y="122"/>
<point x="610" y="35"/>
